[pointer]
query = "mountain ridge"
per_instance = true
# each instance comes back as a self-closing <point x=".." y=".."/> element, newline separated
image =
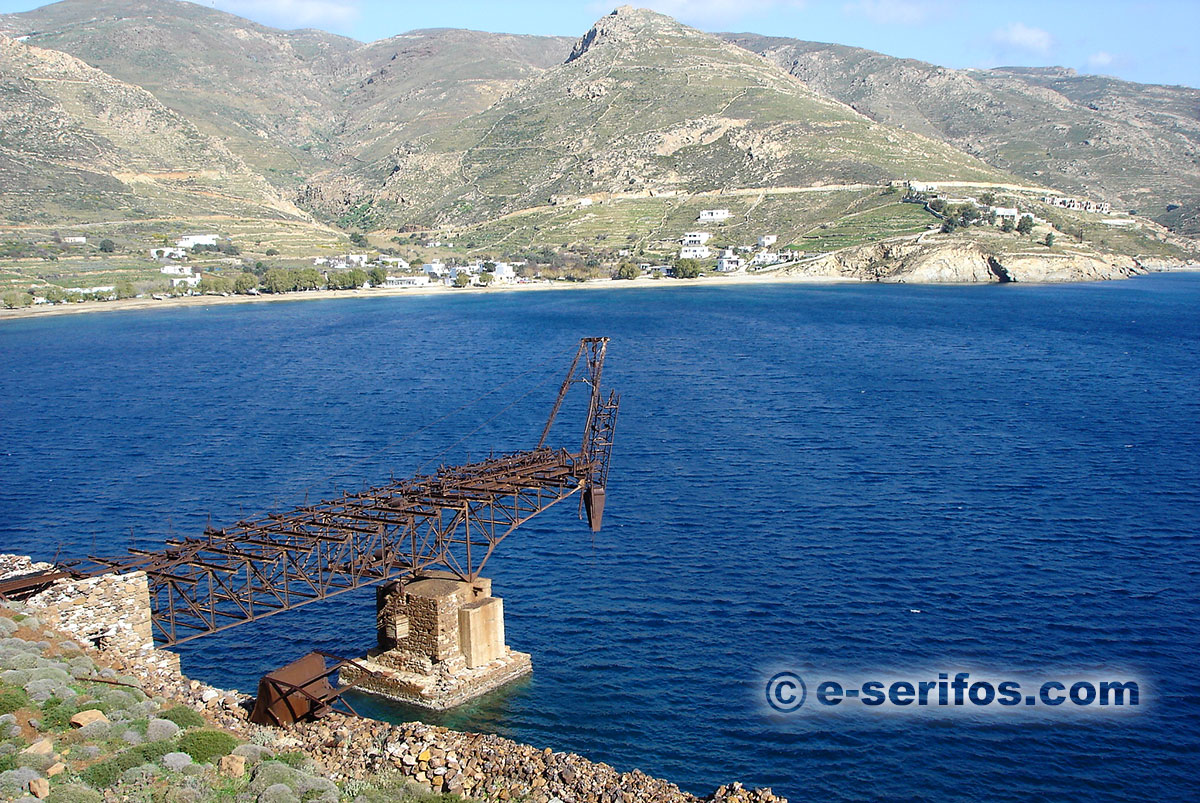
<point x="1135" y="145"/>
<point x="449" y="126"/>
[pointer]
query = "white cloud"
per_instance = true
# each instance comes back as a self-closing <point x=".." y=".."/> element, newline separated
<point x="1019" y="36"/>
<point x="890" y="12"/>
<point x="715" y="12"/>
<point x="333" y="14"/>
<point x="1100" y="59"/>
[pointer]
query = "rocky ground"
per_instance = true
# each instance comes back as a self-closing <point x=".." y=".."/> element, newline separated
<point x="950" y="261"/>
<point x="79" y="725"/>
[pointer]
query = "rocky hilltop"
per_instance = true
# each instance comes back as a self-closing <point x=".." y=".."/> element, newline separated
<point x="645" y="104"/>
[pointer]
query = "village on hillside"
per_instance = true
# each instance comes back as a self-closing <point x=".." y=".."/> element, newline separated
<point x="719" y="241"/>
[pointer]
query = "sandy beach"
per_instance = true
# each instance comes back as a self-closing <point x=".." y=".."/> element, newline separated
<point x="381" y="292"/>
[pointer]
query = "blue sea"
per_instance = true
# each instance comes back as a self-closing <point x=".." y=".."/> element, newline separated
<point x="847" y="480"/>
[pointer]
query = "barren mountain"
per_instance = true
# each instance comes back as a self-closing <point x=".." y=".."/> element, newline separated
<point x="76" y="144"/>
<point x="644" y="104"/>
<point x="452" y="126"/>
<point x="1134" y="145"/>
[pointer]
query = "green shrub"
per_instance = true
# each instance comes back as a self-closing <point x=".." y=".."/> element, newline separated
<point x="12" y="700"/>
<point x="206" y="745"/>
<point x="108" y="772"/>
<point x="74" y="793"/>
<point x="183" y="716"/>
<point x="294" y="759"/>
<point x="56" y="714"/>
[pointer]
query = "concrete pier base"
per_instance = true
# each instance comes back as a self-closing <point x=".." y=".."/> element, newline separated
<point x="441" y="644"/>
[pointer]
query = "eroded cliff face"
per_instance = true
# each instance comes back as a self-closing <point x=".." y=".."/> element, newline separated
<point x="950" y="262"/>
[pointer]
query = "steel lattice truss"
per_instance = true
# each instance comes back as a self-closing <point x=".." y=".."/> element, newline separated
<point x="451" y="520"/>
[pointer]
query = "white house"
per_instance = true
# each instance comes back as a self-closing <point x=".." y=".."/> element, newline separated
<point x="1003" y="212"/>
<point x="763" y="258"/>
<point x="190" y="240"/>
<point x="395" y="262"/>
<point x="714" y="215"/>
<point x="728" y="262"/>
<point x="585" y="202"/>
<point x="694" y="238"/>
<point x="176" y="270"/>
<point x="75" y="240"/>
<point x="921" y="186"/>
<point x="435" y="268"/>
<point x="695" y="252"/>
<point x="767" y="240"/>
<point x="168" y="253"/>
<point x="406" y="281"/>
<point x="357" y="260"/>
<point x="188" y="281"/>
<point x="503" y="272"/>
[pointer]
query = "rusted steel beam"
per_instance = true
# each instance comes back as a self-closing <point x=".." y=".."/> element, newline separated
<point x="452" y="519"/>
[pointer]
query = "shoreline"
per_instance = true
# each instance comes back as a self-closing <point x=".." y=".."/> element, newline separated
<point x="129" y="304"/>
<point x="741" y="279"/>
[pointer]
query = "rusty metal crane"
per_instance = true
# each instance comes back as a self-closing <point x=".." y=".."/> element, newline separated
<point x="451" y="520"/>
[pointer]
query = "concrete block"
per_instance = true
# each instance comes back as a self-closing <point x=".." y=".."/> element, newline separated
<point x="481" y="631"/>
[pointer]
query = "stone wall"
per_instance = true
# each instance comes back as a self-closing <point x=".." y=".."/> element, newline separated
<point x="110" y="613"/>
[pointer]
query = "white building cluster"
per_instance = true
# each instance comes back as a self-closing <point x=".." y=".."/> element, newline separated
<point x="1080" y="205"/>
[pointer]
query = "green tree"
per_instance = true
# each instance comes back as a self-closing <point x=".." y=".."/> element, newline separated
<point x="378" y="276"/>
<point x="15" y="299"/>
<point x="627" y="270"/>
<point x="215" y="284"/>
<point x="271" y="252"/>
<point x="279" y="280"/>
<point x="308" y="279"/>
<point x="126" y="290"/>
<point x="1050" y="239"/>
<point x="486" y="278"/>
<point x="244" y="283"/>
<point x="1007" y="226"/>
<point x="462" y="279"/>
<point x="949" y="225"/>
<point x="1025" y="224"/>
<point x="107" y="246"/>
<point x="687" y="268"/>
<point x="417" y="262"/>
<point x="358" y="239"/>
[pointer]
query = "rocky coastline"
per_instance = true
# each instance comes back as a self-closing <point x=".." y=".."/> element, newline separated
<point x="347" y="754"/>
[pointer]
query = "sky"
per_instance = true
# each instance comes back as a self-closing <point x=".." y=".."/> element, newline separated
<point x="1151" y="41"/>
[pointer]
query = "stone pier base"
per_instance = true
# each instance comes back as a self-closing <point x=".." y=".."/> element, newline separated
<point x="441" y="644"/>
